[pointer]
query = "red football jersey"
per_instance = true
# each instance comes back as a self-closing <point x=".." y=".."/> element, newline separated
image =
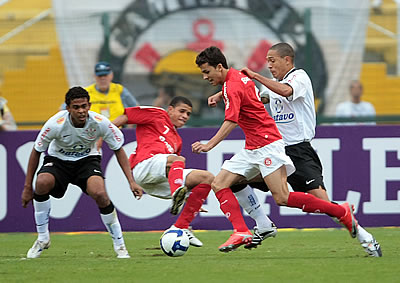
<point x="155" y="133"/>
<point x="244" y="107"/>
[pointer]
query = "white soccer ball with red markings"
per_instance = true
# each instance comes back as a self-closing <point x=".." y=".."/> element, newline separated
<point x="174" y="242"/>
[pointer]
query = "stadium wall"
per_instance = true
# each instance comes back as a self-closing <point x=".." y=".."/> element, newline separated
<point x="361" y="165"/>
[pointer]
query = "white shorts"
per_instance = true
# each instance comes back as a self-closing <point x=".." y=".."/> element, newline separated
<point x="265" y="160"/>
<point x="151" y="176"/>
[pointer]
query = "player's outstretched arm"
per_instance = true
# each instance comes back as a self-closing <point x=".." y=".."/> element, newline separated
<point x="125" y="166"/>
<point x="277" y="87"/>
<point x="27" y="193"/>
<point x="120" y="120"/>
<point x="222" y="133"/>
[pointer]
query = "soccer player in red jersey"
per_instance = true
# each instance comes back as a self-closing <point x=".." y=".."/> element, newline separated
<point x="264" y="152"/>
<point x="157" y="165"/>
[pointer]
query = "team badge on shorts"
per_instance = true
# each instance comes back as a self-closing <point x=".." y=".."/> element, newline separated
<point x="268" y="161"/>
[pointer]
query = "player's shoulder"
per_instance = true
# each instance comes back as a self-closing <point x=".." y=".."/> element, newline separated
<point x="97" y="118"/>
<point x="56" y="122"/>
<point x="239" y="79"/>
<point x="59" y="118"/>
<point x="150" y="109"/>
<point x="298" y="73"/>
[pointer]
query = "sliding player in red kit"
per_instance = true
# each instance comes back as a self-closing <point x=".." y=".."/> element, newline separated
<point x="157" y="165"/>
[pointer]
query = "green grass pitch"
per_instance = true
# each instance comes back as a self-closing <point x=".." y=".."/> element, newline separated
<point x="315" y="255"/>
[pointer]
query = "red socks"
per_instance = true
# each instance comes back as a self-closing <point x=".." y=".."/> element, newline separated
<point x="230" y="207"/>
<point x="175" y="176"/>
<point x="310" y="203"/>
<point x="193" y="204"/>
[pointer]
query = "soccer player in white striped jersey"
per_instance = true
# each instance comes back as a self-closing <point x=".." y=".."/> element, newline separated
<point x="70" y="138"/>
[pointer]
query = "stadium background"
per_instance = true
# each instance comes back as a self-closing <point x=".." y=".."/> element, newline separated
<point x="47" y="46"/>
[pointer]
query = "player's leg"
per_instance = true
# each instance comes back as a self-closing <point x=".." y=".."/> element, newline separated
<point x="199" y="184"/>
<point x="41" y="202"/>
<point x="231" y="209"/>
<point x="276" y="182"/>
<point x="53" y="178"/>
<point x="248" y="200"/>
<point x="366" y="239"/>
<point x="96" y="189"/>
<point x="174" y="168"/>
<point x="308" y="178"/>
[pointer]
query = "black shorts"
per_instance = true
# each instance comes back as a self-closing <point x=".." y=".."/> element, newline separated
<point x="308" y="174"/>
<point x="70" y="172"/>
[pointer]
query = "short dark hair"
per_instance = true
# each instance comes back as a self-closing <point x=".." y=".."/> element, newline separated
<point x="178" y="100"/>
<point x="283" y="49"/>
<point x="74" y="93"/>
<point x="213" y="56"/>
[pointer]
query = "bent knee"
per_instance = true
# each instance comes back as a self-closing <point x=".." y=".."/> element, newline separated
<point x="208" y="178"/>
<point x="100" y="196"/>
<point x="44" y="183"/>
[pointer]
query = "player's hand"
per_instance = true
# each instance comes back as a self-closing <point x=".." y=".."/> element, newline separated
<point x="27" y="196"/>
<point x="214" y="99"/>
<point x="198" y="147"/>
<point x="137" y="191"/>
<point x="248" y="72"/>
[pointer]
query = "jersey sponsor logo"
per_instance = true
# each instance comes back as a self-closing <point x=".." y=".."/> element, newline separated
<point x="278" y="106"/>
<point x="43" y="135"/>
<point x="168" y="146"/>
<point x="98" y="118"/>
<point x="74" y="153"/>
<point x="268" y="161"/>
<point x="284" y="118"/>
<point x="245" y="80"/>
<point x="166" y="130"/>
<point x="226" y="99"/>
<point x="60" y="120"/>
<point x="116" y="136"/>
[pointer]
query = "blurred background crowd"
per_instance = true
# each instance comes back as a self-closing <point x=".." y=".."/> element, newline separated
<point x="349" y="48"/>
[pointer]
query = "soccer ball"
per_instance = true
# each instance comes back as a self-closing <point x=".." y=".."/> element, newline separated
<point x="174" y="242"/>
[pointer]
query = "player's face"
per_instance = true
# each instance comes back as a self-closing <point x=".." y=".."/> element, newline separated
<point x="213" y="75"/>
<point x="78" y="110"/>
<point x="278" y="66"/>
<point x="179" y="114"/>
<point x="103" y="82"/>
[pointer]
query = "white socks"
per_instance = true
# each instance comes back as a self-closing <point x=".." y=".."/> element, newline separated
<point x="113" y="227"/>
<point x="250" y="203"/>
<point x="363" y="235"/>
<point x="42" y="212"/>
